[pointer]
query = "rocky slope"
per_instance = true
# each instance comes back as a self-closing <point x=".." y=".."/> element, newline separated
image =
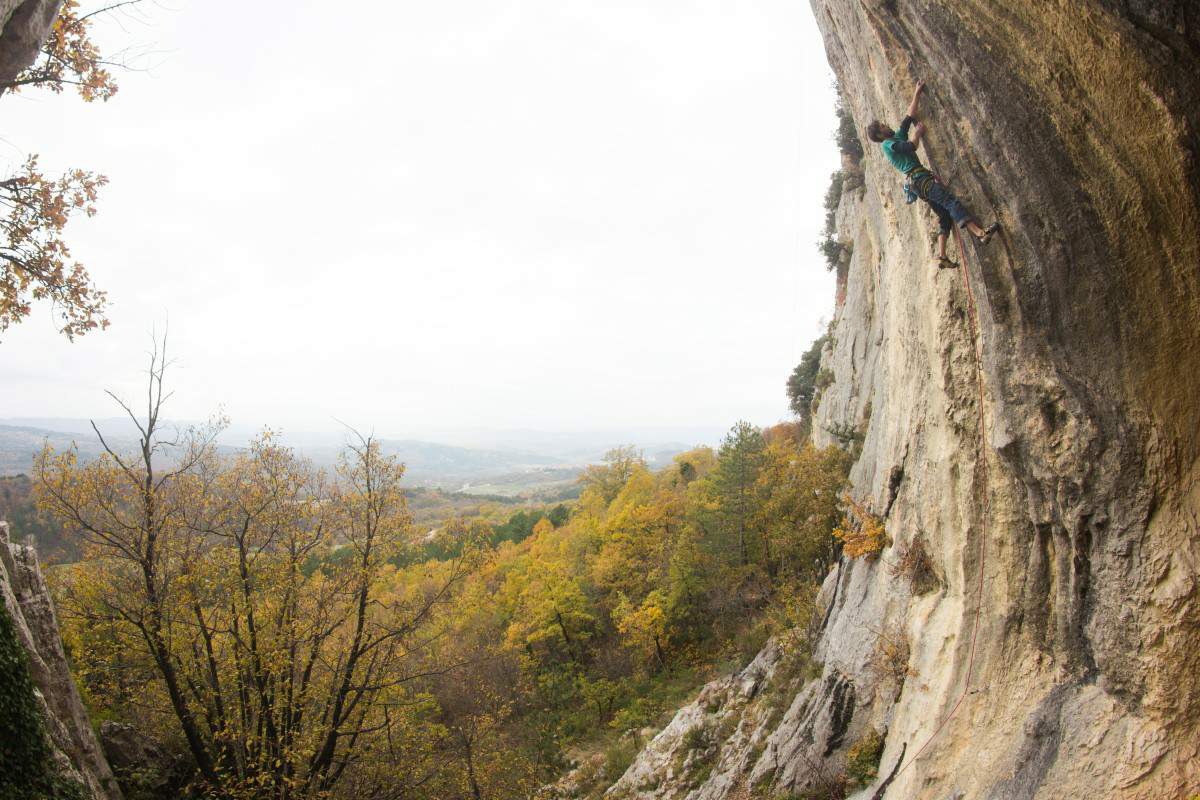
<point x="1035" y="424"/>
<point x="26" y="598"/>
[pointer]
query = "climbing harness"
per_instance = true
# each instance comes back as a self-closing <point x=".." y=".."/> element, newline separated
<point x="913" y="181"/>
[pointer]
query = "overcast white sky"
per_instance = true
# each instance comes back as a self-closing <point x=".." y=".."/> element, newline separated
<point x="549" y="214"/>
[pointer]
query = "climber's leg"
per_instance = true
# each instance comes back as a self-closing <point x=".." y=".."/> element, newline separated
<point x="935" y="193"/>
<point x="944" y="261"/>
<point x="945" y="225"/>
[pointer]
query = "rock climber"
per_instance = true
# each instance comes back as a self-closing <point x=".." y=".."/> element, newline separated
<point x="920" y="182"/>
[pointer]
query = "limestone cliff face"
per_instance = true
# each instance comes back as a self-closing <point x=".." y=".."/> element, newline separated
<point x="27" y="599"/>
<point x="1039" y="431"/>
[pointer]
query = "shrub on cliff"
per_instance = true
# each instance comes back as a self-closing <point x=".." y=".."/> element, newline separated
<point x="847" y="134"/>
<point x="27" y="767"/>
<point x="802" y="383"/>
<point x="829" y="246"/>
<point x="862" y="759"/>
<point x="888" y="664"/>
<point x="860" y="532"/>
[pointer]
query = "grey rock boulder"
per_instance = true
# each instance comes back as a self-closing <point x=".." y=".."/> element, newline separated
<point x="26" y="596"/>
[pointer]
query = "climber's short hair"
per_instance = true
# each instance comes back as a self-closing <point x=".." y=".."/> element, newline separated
<point x="875" y="131"/>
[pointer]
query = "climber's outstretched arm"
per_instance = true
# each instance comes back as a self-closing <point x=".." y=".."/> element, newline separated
<point x="916" y="99"/>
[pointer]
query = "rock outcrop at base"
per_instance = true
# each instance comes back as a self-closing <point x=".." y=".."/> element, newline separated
<point x="1033" y="417"/>
<point x="26" y="597"/>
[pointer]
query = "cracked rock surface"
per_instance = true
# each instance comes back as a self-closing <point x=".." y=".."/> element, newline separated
<point x="26" y="596"/>
<point x="1047" y="454"/>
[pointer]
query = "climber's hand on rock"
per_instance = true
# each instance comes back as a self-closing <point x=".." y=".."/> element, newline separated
<point x="916" y="98"/>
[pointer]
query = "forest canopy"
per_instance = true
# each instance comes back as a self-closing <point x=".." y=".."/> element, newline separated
<point x="291" y="632"/>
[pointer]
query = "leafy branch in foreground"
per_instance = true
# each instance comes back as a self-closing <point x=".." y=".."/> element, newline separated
<point x="68" y="57"/>
<point x="35" y="262"/>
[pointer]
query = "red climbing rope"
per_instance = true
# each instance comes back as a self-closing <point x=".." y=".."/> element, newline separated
<point x="981" y="470"/>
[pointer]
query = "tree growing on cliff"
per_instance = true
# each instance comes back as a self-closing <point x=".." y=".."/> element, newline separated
<point x="802" y="383"/>
<point x="846" y="133"/>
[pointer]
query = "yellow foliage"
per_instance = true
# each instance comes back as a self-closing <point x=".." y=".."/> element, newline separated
<point x="251" y="604"/>
<point x="861" y="532"/>
<point x="268" y="574"/>
<point x="644" y="627"/>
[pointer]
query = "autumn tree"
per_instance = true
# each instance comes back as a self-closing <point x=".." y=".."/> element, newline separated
<point x="644" y="625"/>
<point x="550" y="615"/>
<point x="799" y="490"/>
<point x="605" y="480"/>
<point x="69" y="57"/>
<point x="263" y="599"/>
<point x="35" y="261"/>
<point x="476" y="702"/>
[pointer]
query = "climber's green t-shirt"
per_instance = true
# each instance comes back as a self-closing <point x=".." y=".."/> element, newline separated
<point x="899" y="151"/>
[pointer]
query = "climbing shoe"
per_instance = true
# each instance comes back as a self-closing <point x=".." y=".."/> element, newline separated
<point x="989" y="233"/>
<point x="945" y="263"/>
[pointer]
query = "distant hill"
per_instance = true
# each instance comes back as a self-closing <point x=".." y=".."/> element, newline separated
<point x="448" y="466"/>
<point x="512" y="463"/>
<point x="19" y="445"/>
<point x="429" y="463"/>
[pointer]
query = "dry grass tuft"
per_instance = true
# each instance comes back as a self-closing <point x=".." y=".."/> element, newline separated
<point x="915" y="566"/>
<point x="889" y="660"/>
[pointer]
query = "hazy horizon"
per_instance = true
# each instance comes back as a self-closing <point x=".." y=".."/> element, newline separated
<point x="466" y="436"/>
<point x="483" y="461"/>
<point x="546" y="217"/>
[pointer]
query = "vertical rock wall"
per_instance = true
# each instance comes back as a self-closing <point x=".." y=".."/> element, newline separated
<point x="1037" y="424"/>
<point x="1059" y="444"/>
<point x="25" y="595"/>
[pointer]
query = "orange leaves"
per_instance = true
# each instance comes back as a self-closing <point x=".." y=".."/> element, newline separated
<point x="861" y="532"/>
<point x="34" y="260"/>
<point x="69" y="57"/>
